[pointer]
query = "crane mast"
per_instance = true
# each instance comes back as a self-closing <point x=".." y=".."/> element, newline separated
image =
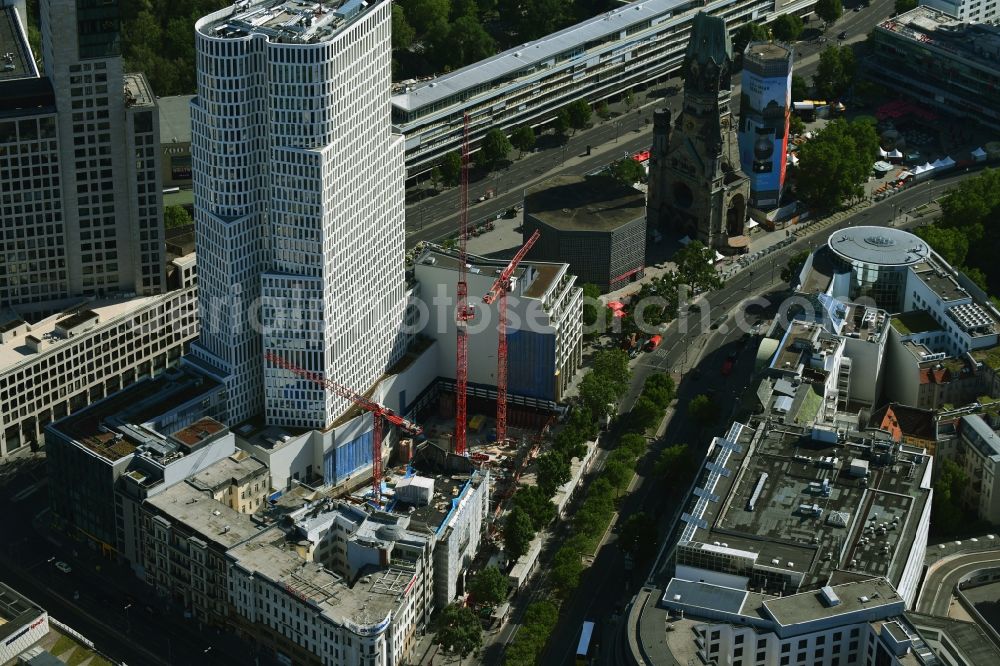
<point x="463" y="312"/>
<point x="500" y="287"/>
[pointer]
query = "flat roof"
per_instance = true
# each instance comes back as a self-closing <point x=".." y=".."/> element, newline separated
<point x="528" y="55"/>
<point x="198" y="432"/>
<point x="16" y="350"/>
<point x="369" y="601"/>
<point x="16" y="610"/>
<point x="967" y="638"/>
<point x="137" y="404"/>
<point x="578" y="203"/>
<point x="914" y="322"/>
<point x="138" y="92"/>
<point x="542" y="274"/>
<point x="940" y="282"/>
<point x="214" y="521"/>
<point x="175" y="119"/>
<point x="881" y="246"/>
<point x="976" y="42"/>
<point x="15" y="53"/>
<point x="848" y="525"/>
<point x="854" y="596"/>
<point x="232" y="469"/>
<point x="283" y="21"/>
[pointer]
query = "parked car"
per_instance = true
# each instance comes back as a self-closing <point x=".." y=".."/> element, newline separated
<point x="62" y="566"/>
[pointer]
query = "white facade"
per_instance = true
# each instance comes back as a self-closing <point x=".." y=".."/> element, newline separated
<point x="544" y="325"/>
<point x="298" y="188"/>
<point x="459" y="537"/>
<point x="594" y="59"/>
<point x="45" y="376"/>
<point x="970" y="11"/>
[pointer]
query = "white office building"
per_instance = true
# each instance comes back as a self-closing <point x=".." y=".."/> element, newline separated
<point x="594" y="59"/>
<point x="969" y="11"/>
<point x="298" y="197"/>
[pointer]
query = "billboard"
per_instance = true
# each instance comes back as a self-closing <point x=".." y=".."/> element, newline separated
<point x="763" y="134"/>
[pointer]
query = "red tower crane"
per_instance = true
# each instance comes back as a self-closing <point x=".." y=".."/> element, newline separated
<point x="500" y="288"/>
<point x="463" y="311"/>
<point x="380" y="413"/>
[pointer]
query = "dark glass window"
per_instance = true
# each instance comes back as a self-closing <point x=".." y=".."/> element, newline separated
<point x="99" y="28"/>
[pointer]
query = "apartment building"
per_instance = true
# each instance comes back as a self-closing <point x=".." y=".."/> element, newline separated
<point x="292" y="214"/>
<point x="53" y="367"/>
<point x="240" y="481"/>
<point x="526" y="85"/>
<point x="975" y="446"/>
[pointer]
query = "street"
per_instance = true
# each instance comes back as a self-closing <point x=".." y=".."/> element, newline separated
<point x="102" y="600"/>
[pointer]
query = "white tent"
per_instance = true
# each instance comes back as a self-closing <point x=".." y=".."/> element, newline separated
<point x="882" y="152"/>
<point x="979" y="154"/>
<point x="944" y="163"/>
<point x="719" y="256"/>
<point x="685" y="241"/>
<point x="752" y="223"/>
<point x="895" y="154"/>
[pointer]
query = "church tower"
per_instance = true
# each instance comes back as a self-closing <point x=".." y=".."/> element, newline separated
<point x="696" y="185"/>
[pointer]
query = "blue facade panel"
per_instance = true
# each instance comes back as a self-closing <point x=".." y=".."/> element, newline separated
<point x="530" y="359"/>
<point x="347" y="458"/>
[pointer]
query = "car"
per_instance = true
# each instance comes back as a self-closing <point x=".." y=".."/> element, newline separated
<point x="842" y="36"/>
<point x="62" y="566"/>
<point x="634" y="352"/>
<point x="857" y="8"/>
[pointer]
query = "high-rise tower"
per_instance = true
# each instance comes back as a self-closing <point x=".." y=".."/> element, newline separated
<point x="765" y="102"/>
<point x="108" y="131"/>
<point x="696" y="186"/>
<point x="298" y="191"/>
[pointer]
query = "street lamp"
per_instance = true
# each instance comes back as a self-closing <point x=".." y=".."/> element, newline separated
<point x="128" y="619"/>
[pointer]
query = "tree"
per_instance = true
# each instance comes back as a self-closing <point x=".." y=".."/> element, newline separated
<point x="539" y="620"/>
<point x="674" y="462"/>
<point x="628" y="99"/>
<point x="619" y="473"/>
<point x="601" y="109"/>
<point x="795" y="125"/>
<point x="175" y="216"/>
<point x="427" y="15"/>
<point x="561" y="122"/>
<point x="645" y="414"/>
<point x="451" y="168"/>
<point x="951" y="243"/>
<point x="829" y="10"/>
<point x="633" y="444"/>
<point x="591" y="294"/>
<point x="523" y="138"/>
<point x="787" y="27"/>
<point x="835" y="72"/>
<point x="790" y="271"/>
<point x="579" y="114"/>
<point x="836" y="162"/>
<point x="465" y="41"/>
<point x="800" y="89"/>
<point x="566" y="570"/>
<point x="660" y="389"/>
<point x="903" y="6"/>
<point x="517" y="533"/>
<point x="749" y="32"/>
<point x="490" y="586"/>
<point x="703" y="410"/>
<point x="458" y="630"/>
<point x="534" y="502"/>
<point x="612" y="366"/>
<point x="947" y="507"/>
<point x="494" y="148"/>
<point x="696" y="266"/>
<point x="638" y="536"/>
<point x="402" y="31"/>
<point x="553" y="472"/>
<point x="627" y="171"/>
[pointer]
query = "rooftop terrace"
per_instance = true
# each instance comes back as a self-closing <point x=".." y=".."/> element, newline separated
<point x="914" y="323"/>
<point x="15" y="54"/>
<point x="284" y="21"/>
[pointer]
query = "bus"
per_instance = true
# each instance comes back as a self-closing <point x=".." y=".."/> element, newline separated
<point x="585" y="648"/>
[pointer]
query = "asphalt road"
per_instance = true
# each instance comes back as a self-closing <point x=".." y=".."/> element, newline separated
<point x="941" y="579"/>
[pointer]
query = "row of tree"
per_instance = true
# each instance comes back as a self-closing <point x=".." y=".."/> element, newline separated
<point x="836" y="162"/>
